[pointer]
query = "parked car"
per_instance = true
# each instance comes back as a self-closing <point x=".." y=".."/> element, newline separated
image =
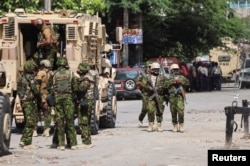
<point x="125" y="83"/>
<point x="243" y="79"/>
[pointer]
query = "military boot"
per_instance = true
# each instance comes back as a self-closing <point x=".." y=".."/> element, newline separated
<point x="34" y="133"/>
<point x="30" y="147"/>
<point x="140" y="124"/>
<point x="150" y="127"/>
<point x="181" y="127"/>
<point x="159" y="129"/>
<point x="175" y="128"/>
<point x="85" y="146"/>
<point x="46" y="132"/>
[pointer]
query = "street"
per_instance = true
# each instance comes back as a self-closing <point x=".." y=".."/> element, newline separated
<point x="130" y="145"/>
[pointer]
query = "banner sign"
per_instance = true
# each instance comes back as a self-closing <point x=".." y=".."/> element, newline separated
<point x="132" y="36"/>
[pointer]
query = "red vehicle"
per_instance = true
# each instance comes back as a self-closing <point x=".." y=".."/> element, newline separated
<point x="125" y="83"/>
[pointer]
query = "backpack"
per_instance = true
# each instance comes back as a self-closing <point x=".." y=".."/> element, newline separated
<point x="62" y="81"/>
<point x="24" y="89"/>
<point x="54" y="36"/>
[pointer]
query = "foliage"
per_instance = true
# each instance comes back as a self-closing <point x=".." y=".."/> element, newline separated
<point x="90" y="6"/>
<point x="183" y="28"/>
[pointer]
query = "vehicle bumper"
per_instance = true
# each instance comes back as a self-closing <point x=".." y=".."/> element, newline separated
<point x="128" y="94"/>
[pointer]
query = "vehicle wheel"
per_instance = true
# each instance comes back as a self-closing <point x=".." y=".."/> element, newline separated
<point x="109" y="120"/>
<point x="94" y="121"/>
<point x="130" y="84"/>
<point x="5" y="123"/>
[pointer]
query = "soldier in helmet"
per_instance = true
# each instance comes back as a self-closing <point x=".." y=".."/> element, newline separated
<point x="62" y="83"/>
<point x="143" y="93"/>
<point x="155" y="86"/>
<point x="27" y="91"/>
<point x="84" y="90"/>
<point x="47" y="42"/>
<point x="176" y="98"/>
<point x="43" y="76"/>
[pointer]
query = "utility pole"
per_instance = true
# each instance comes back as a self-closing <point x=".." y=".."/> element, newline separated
<point x="125" y="46"/>
<point x="139" y="52"/>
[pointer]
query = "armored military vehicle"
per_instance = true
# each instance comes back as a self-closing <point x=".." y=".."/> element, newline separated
<point x="5" y="110"/>
<point x="227" y="58"/>
<point x="81" y="38"/>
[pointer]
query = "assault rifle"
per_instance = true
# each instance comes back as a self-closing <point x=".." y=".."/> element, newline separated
<point x="155" y="95"/>
<point x="180" y="90"/>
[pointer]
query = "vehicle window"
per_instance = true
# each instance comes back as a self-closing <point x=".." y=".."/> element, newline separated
<point x="247" y="64"/>
<point x="126" y="74"/>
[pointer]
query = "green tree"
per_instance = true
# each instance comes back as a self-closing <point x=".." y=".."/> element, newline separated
<point x="183" y="28"/>
<point x="90" y="6"/>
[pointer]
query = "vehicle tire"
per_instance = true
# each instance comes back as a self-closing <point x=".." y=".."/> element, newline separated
<point x="5" y="123"/>
<point x="109" y="120"/>
<point x="130" y="84"/>
<point x="94" y="120"/>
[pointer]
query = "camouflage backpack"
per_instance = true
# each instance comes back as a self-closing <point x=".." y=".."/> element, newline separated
<point x="24" y="88"/>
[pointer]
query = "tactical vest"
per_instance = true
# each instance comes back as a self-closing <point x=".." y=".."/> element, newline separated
<point x="90" y="91"/>
<point x="24" y="89"/>
<point x="62" y="81"/>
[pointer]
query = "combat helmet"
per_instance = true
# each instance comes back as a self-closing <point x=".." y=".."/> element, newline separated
<point x="174" y="66"/>
<point x="45" y="63"/>
<point x="155" y="65"/>
<point x="30" y="67"/>
<point x="148" y="64"/>
<point x="62" y="61"/>
<point x="83" y="67"/>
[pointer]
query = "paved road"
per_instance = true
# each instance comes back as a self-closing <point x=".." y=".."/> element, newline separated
<point x="127" y="144"/>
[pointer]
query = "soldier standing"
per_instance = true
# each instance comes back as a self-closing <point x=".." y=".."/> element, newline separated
<point x="43" y="76"/>
<point x="155" y="87"/>
<point x="27" y="91"/>
<point x="84" y="90"/>
<point x="47" y="44"/>
<point x="143" y="93"/>
<point x="64" y="107"/>
<point x="177" y="97"/>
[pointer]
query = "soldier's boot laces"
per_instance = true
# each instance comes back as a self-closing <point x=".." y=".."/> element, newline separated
<point x="30" y="147"/>
<point x="181" y="127"/>
<point x="34" y="133"/>
<point x="46" y="132"/>
<point x="85" y="146"/>
<point x="159" y="129"/>
<point x="150" y="127"/>
<point x="175" y="128"/>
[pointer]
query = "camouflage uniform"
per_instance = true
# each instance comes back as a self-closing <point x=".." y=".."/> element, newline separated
<point x="27" y="91"/>
<point x="43" y="76"/>
<point x="47" y="44"/>
<point x="143" y="93"/>
<point x="176" y="98"/>
<point x="84" y="90"/>
<point x="64" y="108"/>
<point x="160" y="83"/>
